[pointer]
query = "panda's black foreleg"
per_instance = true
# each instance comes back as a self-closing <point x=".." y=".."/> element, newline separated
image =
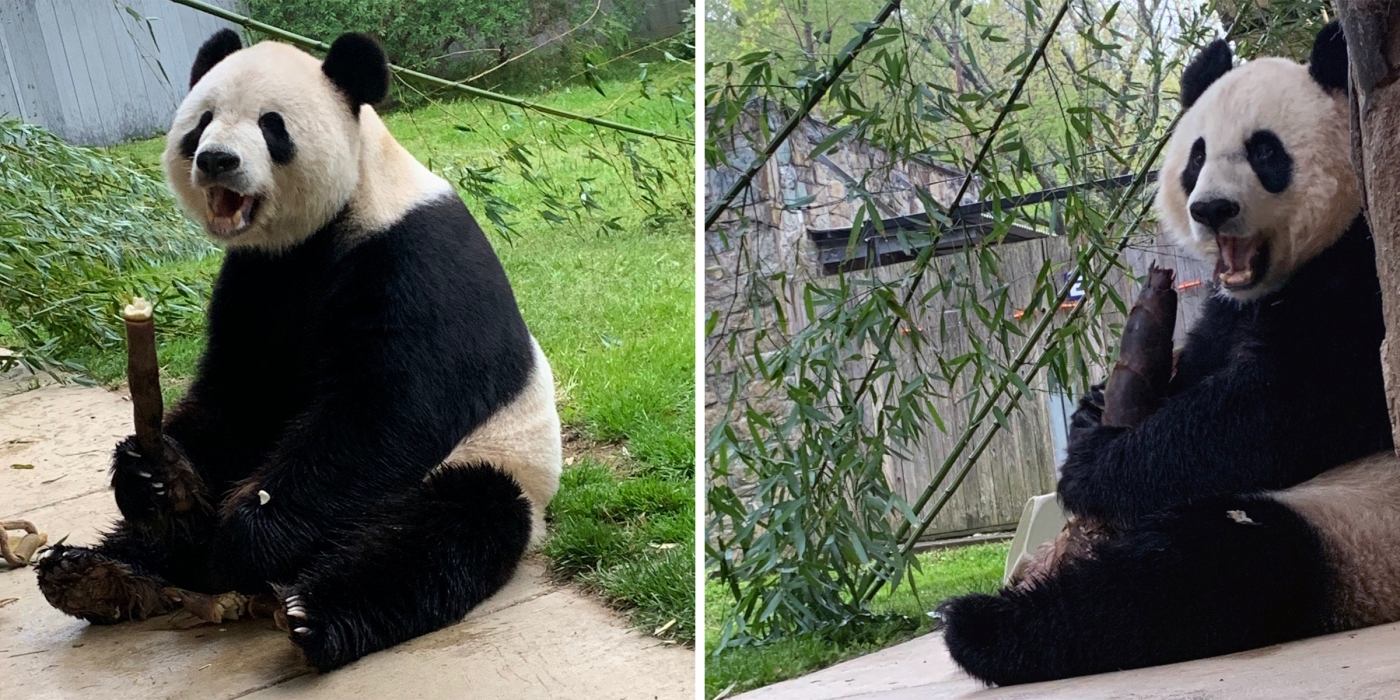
<point x="421" y="563"/>
<point x="1216" y="577"/>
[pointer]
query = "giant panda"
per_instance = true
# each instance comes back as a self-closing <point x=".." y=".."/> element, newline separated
<point x="1261" y="502"/>
<point x="372" y="426"/>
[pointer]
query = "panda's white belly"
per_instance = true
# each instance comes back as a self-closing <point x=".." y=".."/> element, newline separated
<point x="1356" y="510"/>
<point x="522" y="439"/>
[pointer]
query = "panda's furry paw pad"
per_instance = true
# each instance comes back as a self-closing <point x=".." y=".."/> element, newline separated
<point x="97" y="588"/>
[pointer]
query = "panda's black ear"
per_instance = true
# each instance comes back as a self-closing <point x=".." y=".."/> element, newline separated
<point x="1214" y="61"/>
<point x="1328" y="64"/>
<point x="359" y="68"/>
<point x="216" y="48"/>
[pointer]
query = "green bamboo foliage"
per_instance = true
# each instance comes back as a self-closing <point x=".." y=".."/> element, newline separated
<point x="1024" y="96"/>
<point x="78" y="231"/>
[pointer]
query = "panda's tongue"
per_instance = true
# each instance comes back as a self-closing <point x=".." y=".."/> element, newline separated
<point x="225" y="202"/>
<point x="1235" y="268"/>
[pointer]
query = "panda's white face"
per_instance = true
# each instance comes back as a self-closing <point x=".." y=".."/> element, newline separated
<point x="264" y="150"/>
<point x="1258" y="175"/>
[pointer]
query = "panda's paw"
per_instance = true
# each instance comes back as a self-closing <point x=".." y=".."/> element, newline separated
<point x="100" y="589"/>
<point x="314" y="633"/>
<point x="1089" y="413"/>
<point x="156" y="491"/>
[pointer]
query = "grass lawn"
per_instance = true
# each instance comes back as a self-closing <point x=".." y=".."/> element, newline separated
<point x="604" y="277"/>
<point x="943" y="573"/>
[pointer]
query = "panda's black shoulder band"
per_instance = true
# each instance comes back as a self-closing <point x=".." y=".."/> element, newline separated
<point x="216" y="48"/>
<point x="1214" y="61"/>
<point x="358" y="68"/>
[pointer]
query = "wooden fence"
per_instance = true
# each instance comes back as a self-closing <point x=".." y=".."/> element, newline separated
<point x="97" y="72"/>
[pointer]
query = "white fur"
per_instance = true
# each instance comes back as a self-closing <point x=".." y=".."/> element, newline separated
<point x="1356" y="509"/>
<point x="523" y="440"/>
<point x="1298" y="223"/>
<point x="338" y="161"/>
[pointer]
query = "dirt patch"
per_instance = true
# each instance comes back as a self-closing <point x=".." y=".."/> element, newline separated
<point x="578" y="446"/>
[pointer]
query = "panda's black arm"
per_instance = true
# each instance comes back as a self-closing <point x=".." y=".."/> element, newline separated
<point x="1224" y="434"/>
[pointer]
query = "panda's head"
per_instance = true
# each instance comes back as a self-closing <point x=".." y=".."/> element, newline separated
<point x="265" y="149"/>
<point x="1258" y="175"/>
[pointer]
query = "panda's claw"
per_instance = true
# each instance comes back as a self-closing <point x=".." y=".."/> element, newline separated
<point x="302" y="630"/>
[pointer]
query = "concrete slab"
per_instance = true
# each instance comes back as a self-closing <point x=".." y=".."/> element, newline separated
<point x="534" y="639"/>
<point x="1359" y="665"/>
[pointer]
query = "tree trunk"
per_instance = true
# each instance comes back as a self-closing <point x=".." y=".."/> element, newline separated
<point x="1372" y="30"/>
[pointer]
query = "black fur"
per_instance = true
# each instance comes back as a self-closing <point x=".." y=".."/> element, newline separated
<point x="1188" y="584"/>
<point x="216" y="48"/>
<point x="454" y="541"/>
<point x="1328" y="64"/>
<point x="279" y="142"/>
<point x="1214" y="61"/>
<point x="1271" y="162"/>
<point x="359" y="68"/>
<point x="335" y="378"/>
<point x="1266" y="395"/>
<point x="1192" y="171"/>
<point x="189" y="143"/>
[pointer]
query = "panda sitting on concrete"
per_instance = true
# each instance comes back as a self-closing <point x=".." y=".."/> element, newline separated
<point x="1261" y="502"/>
<point x="372" y="432"/>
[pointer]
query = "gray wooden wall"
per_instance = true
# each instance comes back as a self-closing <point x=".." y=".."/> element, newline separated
<point x="91" y="72"/>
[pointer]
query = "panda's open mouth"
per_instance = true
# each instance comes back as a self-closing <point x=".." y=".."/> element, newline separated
<point x="1243" y="261"/>
<point x="230" y="211"/>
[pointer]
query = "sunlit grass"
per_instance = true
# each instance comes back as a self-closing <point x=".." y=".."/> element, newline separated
<point x="943" y="573"/>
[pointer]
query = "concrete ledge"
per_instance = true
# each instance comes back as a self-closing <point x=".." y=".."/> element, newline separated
<point x="1358" y="665"/>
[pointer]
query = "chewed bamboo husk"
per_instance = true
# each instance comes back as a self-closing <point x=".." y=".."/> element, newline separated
<point x="1138" y="383"/>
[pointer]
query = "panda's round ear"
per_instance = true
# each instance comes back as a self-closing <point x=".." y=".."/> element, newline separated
<point x="216" y="48"/>
<point x="1328" y="64"/>
<point x="1212" y="62"/>
<point x="358" y="67"/>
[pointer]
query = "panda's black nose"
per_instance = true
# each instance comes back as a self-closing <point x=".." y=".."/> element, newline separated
<point x="1214" y="212"/>
<point x="216" y="162"/>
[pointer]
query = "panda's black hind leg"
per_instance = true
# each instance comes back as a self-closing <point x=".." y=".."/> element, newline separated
<point x="1216" y="577"/>
<point x="420" y="564"/>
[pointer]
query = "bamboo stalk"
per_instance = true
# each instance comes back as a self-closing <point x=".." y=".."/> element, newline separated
<point x="313" y="44"/>
<point x="143" y="376"/>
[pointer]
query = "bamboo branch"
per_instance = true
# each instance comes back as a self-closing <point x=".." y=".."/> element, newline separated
<point x="843" y="62"/>
<point x="309" y="43"/>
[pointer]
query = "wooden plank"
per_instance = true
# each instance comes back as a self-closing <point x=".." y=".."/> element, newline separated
<point x="66" y="95"/>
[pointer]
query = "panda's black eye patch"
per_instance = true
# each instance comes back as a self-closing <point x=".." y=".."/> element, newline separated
<point x="279" y="142"/>
<point x="190" y="142"/>
<point x="1270" y="160"/>
<point x="1194" y="163"/>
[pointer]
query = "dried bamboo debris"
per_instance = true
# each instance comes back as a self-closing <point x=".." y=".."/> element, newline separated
<point x="19" y="550"/>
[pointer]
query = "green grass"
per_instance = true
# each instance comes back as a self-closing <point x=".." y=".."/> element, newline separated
<point x="607" y="287"/>
<point x="943" y="573"/>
